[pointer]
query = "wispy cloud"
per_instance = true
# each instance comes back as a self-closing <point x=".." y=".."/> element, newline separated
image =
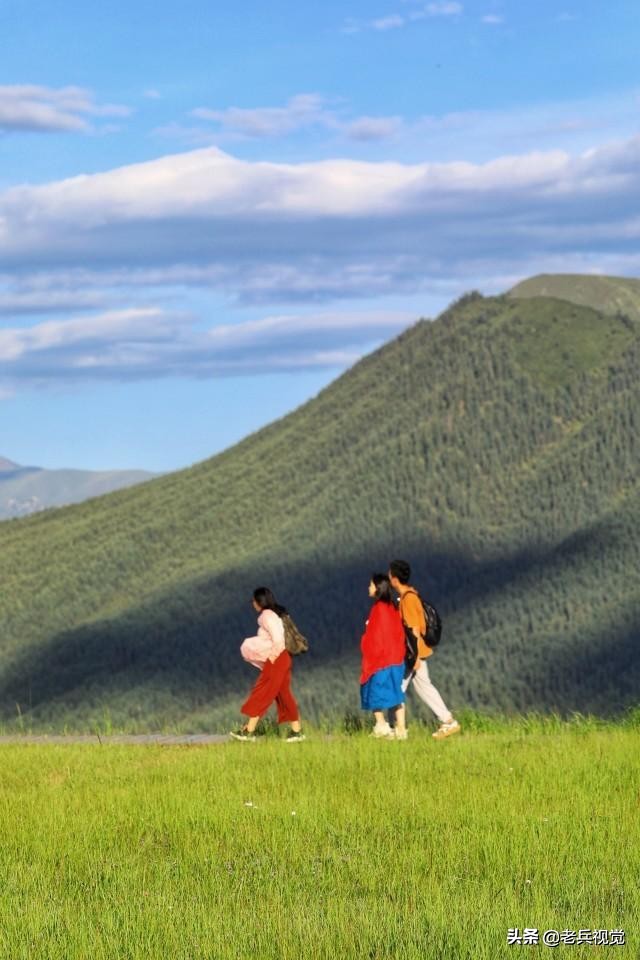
<point x="394" y="21"/>
<point x="476" y="135"/>
<point x="303" y="234"/>
<point x="373" y="128"/>
<point x="150" y="343"/>
<point x="37" y="108"/>
<point x="444" y="9"/>
<point x="450" y="10"/>
<point x="493" y="19"/>
<point x="303" y="110"/>
<point x="472" y="134"/>
<point x="388" y="23"/>
<point x="55" y="299"/>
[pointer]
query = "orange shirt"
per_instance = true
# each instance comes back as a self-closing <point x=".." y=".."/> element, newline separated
<point x="413" y="617"/>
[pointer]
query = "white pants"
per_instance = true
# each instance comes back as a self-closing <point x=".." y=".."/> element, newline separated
<point x="421" y="683"/>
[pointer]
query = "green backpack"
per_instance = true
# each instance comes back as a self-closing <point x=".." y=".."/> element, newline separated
<point x="294" y="642"/>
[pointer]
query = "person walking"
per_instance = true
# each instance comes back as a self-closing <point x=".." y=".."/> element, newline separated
<point x="417" y="673"/>
<point x="267" y="652"/>
<point x="383" y="649"/>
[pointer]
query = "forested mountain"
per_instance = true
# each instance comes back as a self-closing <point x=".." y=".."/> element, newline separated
<point x="497" y="448"/>
<point x="25" y="490"/>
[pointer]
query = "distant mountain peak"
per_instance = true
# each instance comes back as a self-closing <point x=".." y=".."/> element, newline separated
<point x="25" y="490"/>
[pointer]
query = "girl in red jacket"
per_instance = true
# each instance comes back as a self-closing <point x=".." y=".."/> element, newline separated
<point x="383" y="648"/>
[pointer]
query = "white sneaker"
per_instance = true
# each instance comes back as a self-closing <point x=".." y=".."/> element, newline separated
<point x="382" y="731"/>
<point x="446" y="729"/>
<point x="400" y="734"/>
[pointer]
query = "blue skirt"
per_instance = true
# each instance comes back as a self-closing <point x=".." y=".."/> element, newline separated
<point x="383" y="689"/>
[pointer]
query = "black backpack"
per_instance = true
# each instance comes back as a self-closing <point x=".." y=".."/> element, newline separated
<point x="434" y="627"/>
<point x="434" y="623"/>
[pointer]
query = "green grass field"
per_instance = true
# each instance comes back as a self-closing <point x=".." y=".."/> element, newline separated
<point x="336" y="848"/>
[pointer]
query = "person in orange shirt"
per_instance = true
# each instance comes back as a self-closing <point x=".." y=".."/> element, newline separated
<point x="415" y="625"/>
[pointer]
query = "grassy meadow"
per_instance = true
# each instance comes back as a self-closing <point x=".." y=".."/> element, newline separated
<point x="339" y="847"/>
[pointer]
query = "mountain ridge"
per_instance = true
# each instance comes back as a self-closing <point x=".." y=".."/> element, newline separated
<point x="26" y="490"/>
<point x="8" y="466"/>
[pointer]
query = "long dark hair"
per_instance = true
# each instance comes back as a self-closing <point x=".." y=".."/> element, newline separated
<point x="266" y="601"/>
<point x="383" y="588"/>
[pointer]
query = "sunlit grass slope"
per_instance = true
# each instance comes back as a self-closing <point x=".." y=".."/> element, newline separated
<point x="608" y="294"/>
<point x="342" y="848"/>
<point x="498" y="448"/>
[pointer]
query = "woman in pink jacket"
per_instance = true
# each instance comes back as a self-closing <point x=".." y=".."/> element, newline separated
<point x="267" y="652"/>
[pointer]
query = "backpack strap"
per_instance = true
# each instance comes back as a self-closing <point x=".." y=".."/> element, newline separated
<point x="415" y="592"/>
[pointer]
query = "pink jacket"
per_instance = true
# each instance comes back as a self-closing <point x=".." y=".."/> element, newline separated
<point x="268" y="644"/>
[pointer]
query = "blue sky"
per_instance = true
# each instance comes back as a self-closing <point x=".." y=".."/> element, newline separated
<point x="208" y="211"/>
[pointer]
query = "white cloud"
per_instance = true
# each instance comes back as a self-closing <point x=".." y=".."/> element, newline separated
<point x="38" y="108"/>
<point x="148" y="343"/>
<point x="302" y="110"/>
<point x="391" y="22"/>
<point x="206" y="187"/>
<point x="394" y="21"/>
<point x="373" y="128"/>
<point x="570" y="125"/>
<point x="475" y="135"/>
<point x="53" y="300"/>
<point x="301" y="234"/>
<point x="493" y="19"/>
<point x="436" y="10"/>
<point x="445" y="9"/>
<point x="209" y="186"/>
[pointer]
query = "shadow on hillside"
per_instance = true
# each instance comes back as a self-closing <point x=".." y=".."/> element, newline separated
<point x="186" y="641"/>
<point x="593" y="672"/>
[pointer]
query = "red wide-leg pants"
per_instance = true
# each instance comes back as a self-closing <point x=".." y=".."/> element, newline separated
<point x="274" y="683"/>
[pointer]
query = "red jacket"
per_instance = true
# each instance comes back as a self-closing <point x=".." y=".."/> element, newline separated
<point x="383" y="640"/>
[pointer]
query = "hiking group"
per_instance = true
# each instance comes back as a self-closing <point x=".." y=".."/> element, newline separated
<point x="396" y="643"/>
